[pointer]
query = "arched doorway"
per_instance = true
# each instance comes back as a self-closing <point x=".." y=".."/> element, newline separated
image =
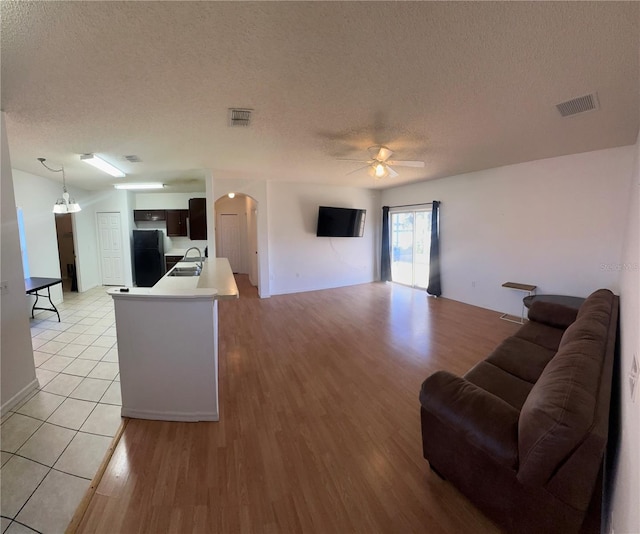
<point x="236" y="234"/>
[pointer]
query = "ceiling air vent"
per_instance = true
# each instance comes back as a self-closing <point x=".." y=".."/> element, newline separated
<point x="239" y="117"/>
<point x="133" y="158"/>
<point x="582" y="104"/>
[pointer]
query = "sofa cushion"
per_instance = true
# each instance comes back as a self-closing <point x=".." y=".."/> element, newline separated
<point x="522" y="358"/>
<point x="508" y="387"/>
<point x="560" y="409"/>
<point x="482" y="419"/>
<point x="541" y="334"/>
<point x="552" y="314"/>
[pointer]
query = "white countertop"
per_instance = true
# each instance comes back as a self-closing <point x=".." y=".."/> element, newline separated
<point x="215" y="281"/>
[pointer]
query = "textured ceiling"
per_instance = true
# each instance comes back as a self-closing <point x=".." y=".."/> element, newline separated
<point x="463" y="86"/>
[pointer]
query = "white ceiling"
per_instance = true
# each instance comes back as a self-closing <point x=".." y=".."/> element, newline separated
<point x="463" y="86"/>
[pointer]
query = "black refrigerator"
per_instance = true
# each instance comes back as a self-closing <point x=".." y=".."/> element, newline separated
<point x="148" y="256"/>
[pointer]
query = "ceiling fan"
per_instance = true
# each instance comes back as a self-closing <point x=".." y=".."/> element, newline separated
<point x="379" y="164"/>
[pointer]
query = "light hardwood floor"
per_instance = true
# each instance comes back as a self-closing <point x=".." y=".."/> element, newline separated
<point x="319" y="429"/>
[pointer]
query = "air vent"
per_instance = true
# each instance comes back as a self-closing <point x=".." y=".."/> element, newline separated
<point x="239" y="117"/>
<point x="133" y="158"/>
<point x="582" y="104"/>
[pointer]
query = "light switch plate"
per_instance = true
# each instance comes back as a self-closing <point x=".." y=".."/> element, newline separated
<point x="4" y="287"/>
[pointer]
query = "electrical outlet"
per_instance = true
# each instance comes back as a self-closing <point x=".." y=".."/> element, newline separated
<point x="633" y="377"/>
<point x="4" y="287"/>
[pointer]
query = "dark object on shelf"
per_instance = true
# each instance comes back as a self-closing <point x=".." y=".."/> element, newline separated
<point x="523" y="433"/>
<point x="177" y="223"/>
<point x="149" y="215"/>
<point x="148" y="256"/>
<point x="198" y="218"/>
<point x="563" y="300"/>
<point x="34" y="284"/>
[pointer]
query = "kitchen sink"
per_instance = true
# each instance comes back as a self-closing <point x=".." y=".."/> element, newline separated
<point x="185" y="271"/>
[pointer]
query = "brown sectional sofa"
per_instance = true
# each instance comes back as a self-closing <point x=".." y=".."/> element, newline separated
<point x="523" y="433"/>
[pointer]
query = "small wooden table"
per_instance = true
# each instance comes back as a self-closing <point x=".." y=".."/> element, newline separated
<point x="519" y="287"/>
<point x="34" y="284"/>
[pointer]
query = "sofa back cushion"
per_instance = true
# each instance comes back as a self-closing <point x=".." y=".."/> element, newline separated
<point x="561" y="407"/>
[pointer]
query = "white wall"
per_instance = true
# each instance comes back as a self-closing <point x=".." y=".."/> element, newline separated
<point x="625" y="512"/>
<point x="300" y="261"/>
<point x="36" y="196"/>
<point x="164" y="201"/>
<point x="17" y="369"/>
<point x="40" y="229"/>
<point x="556" y="223"/>
<point x="252" y="238"/>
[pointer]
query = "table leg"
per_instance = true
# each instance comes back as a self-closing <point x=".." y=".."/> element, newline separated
<point x="53" y="306"/>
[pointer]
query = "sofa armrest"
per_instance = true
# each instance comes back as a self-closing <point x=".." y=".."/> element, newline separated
<point x="552" y="314"/>
<point x="485" y="421"/>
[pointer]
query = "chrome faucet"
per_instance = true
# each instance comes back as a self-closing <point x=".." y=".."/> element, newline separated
<point x="199" y="255"/>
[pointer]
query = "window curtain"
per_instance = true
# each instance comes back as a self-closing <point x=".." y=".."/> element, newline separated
<point x="434" y="254"/>
<point x="385" y="256"/>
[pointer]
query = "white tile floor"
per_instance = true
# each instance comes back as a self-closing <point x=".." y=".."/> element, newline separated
<point x="53" y="443"/>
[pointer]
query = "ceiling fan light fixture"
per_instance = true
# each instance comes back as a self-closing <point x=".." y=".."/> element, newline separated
<point x="380" y="170"/>
<point x="103" y="165"/>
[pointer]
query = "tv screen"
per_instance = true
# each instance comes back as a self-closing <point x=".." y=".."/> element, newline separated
<point x="340" y="222"/>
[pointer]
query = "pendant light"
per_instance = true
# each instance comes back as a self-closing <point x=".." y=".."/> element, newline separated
<point x="64" y="204"/>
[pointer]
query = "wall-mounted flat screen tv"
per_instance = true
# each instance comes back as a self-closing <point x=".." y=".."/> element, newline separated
<point x="340" y="222"/>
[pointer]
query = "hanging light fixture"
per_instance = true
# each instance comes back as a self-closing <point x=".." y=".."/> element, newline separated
<point x="65" y="204"/>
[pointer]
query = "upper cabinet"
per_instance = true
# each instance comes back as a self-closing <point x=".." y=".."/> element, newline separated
<point x="198" y="218"/>
<point x="177" y="223"/>
<point x="149" y="215"/>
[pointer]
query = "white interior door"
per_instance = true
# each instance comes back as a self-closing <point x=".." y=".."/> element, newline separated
<point x="110" y="248"/>
<point x="230" y="240"/>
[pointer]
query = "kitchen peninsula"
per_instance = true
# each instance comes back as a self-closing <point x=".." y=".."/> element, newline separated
<point x="168" y="343"/>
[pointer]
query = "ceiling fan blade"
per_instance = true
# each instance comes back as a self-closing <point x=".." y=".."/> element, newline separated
<point x="384" y="154"/>
<point x="358" y="160"/>
<point x="356" y="170"/>
<point x="391" y="172"/>
<point x="407" y="163"/>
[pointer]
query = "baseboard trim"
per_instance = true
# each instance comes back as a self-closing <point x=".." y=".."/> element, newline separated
<point x="18" y="397"/>
<point x="170" y="416"/>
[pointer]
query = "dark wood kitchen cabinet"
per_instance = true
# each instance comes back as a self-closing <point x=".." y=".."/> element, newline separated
<point x="198" y="218"/>
<point x="177" y="222"/>
<point x="149" y="215"/>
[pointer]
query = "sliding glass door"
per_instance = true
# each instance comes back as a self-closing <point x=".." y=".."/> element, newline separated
<point x="410" y="241"/>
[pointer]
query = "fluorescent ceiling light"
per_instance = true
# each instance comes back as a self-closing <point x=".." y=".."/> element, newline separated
<point x="101" y="164"/>
<point x="144" y="185"/>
